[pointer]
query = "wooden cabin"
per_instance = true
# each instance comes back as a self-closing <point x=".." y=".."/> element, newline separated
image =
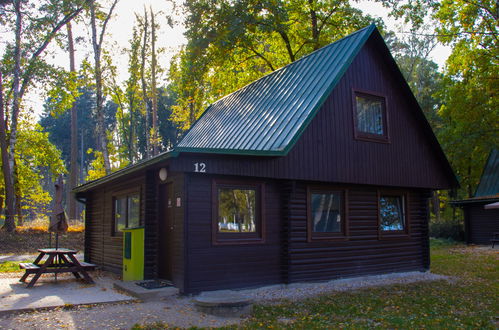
<point x="321" y="169"/>
<point x="481" y="213"/>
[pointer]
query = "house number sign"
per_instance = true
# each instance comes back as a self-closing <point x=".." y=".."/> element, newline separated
<point x="200" y="167"/>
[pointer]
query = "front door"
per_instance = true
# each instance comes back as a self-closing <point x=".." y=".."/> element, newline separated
<point x="165" y="253"/>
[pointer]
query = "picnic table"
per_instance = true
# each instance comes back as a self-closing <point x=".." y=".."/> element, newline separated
<point x="58" y="261"/>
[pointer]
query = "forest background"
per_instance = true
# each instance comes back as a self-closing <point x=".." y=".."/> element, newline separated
<point x="93" y="123"/>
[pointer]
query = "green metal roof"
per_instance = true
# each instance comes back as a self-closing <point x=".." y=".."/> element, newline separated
<point x="268" y="116"/>
<point x="489" y="182"/>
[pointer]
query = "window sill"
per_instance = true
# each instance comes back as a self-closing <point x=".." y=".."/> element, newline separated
<point x="238" y="241"/>
<point x="331" y="238"/>
<point x="372" y="138"/>
<point x="393" y="236"/>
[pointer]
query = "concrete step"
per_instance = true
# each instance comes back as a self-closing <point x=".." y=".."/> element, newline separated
<point x="224" y="303"/>
<point x="133" y="289"/>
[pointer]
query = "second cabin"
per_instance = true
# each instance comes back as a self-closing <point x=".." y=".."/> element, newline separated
<point x="319" y="170"/>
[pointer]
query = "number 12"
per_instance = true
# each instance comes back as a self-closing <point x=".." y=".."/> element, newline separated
<point x="200" y="167"/>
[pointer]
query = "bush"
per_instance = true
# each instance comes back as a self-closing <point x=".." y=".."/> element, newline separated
<point x="447" y="228"/>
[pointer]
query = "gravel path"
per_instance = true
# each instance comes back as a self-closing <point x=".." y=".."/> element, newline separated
<point x="298" y="291"/>
<point x="180" y="312"/>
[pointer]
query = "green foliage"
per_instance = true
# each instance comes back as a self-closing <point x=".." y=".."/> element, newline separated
<point x="466" y="95"/>
<point x="422" y="74"/>
<point x="447" y="228"/>
<point x="36" y="158"/>
<point x="58" y="125"/>
<point x="233" y="43"/>
<point x="471" y="105"/>
<point x="64" y="92"/>
<point x="96" y="169"/>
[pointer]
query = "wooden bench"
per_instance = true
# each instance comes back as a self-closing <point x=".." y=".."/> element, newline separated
<point x="495" y="239"/>
<point x="33" y="267"/>
<point x="87" y="266"/>
<point x="28" y="266"/>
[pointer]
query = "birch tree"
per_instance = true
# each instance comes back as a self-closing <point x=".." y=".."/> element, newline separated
<point x="34" y="27"/>
<point x="98" y="23"/>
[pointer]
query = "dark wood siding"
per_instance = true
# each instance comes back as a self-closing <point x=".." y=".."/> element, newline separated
<point x="94" y="236"/>
<point x="151" y="231"/>
<point x="327" y="150"/>
<point x="363" y="252"/>
<point x="480" y="223"/>
<point x="214" y="267"/>
<point x="101" y="247"/>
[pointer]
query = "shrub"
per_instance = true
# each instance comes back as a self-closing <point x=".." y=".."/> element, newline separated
<point x="447" y="228"/>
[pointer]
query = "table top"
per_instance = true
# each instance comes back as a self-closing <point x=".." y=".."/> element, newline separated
<point x="57" y="251"/>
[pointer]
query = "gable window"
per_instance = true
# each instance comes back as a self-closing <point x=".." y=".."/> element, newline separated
<point x="237" y="215"/>
<point x="370" y="117"/>
<point x="126" y="212"/>
<point x="392" y="213"/>
<point x="326" y="214"/>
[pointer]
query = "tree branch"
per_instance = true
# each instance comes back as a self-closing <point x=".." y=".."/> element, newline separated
<point x="45" y="43"/>
<point x="101" y="36"/>
<point x="262" y="57"/>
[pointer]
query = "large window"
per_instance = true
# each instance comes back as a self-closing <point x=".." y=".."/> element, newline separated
<point x="237" y="212"/>
<point x="326" y="214"/>
<point x="126" y="212"/>
<point x="392" y="213"/>
<point x="370" y="117"/>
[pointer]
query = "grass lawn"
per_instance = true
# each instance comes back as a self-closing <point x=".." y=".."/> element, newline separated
<point x="470" y="301"/>
<point x="10" y="266"/>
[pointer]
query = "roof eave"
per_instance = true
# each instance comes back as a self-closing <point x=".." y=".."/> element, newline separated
<point x="127" y="170"/>
<point x="474" y="201"/>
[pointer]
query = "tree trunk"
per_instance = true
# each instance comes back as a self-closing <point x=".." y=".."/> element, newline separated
<point x="192" y="112"/>
<point x="436" y="205"/>
<point x="8" y="162"/>
<point x="154" y="94"/>
<point x="101" y="130"/>
<point x="9" y="224"/>
<point x="287" y="42"/>
<point x="73" y="167"/>
<point x="315" y="29"/>
<point x="469" y="187"/>
<point x="18" y="196"/>
<point x="143" y="54"/>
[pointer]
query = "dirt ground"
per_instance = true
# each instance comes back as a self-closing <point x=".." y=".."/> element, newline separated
<point x="179" y="311"/>
<point x="174" y="311"/>
<point x="29" y="241"/>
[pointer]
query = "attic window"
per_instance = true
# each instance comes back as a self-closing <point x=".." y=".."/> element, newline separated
<point x="370" y="117"/>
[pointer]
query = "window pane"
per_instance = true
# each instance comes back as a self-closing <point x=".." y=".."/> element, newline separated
<point x="369" y="115"/>
<point x="119" y="213"/>
<point x="391" y="212"/>
<point x="326" y="212"/>
<point x="133" y="211"/>
<point x="236" y="210"/>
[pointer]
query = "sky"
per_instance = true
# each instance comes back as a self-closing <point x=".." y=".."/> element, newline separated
<point x="120" y="32"/>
